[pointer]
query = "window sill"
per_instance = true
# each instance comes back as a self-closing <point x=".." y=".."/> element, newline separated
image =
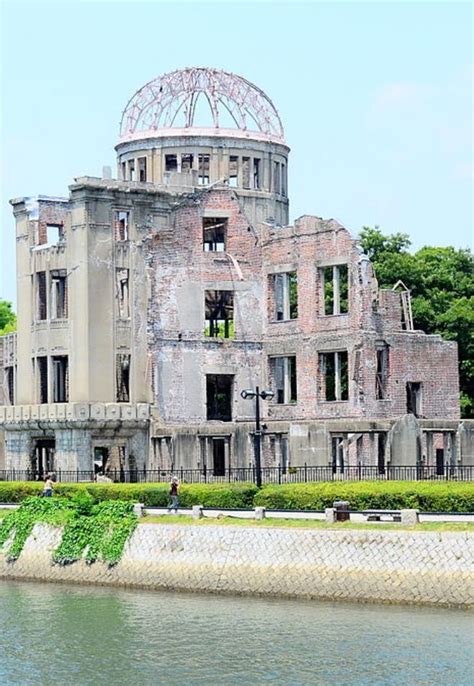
<point x="283" y="321"/>
<point x="333" y="402"/>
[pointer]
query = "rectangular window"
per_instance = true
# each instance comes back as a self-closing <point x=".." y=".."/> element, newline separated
<point x="42" y="379"/>
<point x="60" y="379"/>
<point x="414" y="398"/>
<point x="219" y="389"/>
<point x="121" y="276"/>
<point x="381" y="445"/>
<point x="131" y="170"/>
<point x="246" y="172"/>
<point x="285" y="294"/>
<point x="54" y="233"/>
<point x="233" y="171"/>
<point x="256" y="173"/>
<point x="58" y="295"/>
<point x="283" y="375"/>
<point x="186" y="163"/>
<point x="10" y="384"/>
<point x="121" y="225"/>
<point x="203" y="169"/>
<point x="142" y="169"/>
<point x="219" y="307"/>
<point x="41" y="296"/>
<point x="171" y="163"/>
<point x="439" y="461"/>
<point x="334" y="375"/>
<point x="276" y="178"/>
<point x="284" y="181"/>
<point x="218" y="456"/>
<point x="381" y="374"/>
<point x="122" y="370"/>
<point x="335" y="284"/>
<point x="214" y="234"/>
<point x="124" y="171"/>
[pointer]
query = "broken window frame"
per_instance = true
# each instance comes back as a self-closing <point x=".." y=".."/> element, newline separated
<point x="123" y="292"/>
<point x="285" y="296"/>
<point x="54" y="233"/>
<point x="122" y="377"/>
<point x="414" y="398"/>
<point x="41" y="373"/>
<point x="382" y="370"/>
<point x="219" y="409"/>
<point x="187" y="161"/>
<point x="334" y="375"/>
<point x="121" y="225"/>
<point x="219" y="314"/>
<point x="257" y="165"/>
<point x="131" y="170"/>
<point x="335" y="289"/>
<point x="59" y="309"/>
<point x="171" y="162"/>
<point x="142" y="169"/>
<point x="214" y="234"/>
<point x="283" y="373"/>
<point x="41" y="296"/>
<point x="204" y="164"/>
<point x="10" y="375"/>
<point x="60" y="378"/>
<point x="233" y="171"/>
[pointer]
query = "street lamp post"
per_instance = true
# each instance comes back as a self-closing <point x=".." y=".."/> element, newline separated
<point x="264" y="395"/>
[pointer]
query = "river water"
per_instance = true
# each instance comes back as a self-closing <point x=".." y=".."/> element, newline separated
<point x="58" y="634"/>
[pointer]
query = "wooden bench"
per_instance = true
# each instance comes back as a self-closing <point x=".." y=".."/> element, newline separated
<point x="382" y="515"/>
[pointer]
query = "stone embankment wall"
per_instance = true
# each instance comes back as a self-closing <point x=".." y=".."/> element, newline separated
<point x="370" y="566"/>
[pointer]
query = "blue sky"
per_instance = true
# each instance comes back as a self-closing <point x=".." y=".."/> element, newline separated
<point x="376" y="100"/>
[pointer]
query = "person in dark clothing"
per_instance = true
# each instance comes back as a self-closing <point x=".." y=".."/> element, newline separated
<point x="174" y="495"/>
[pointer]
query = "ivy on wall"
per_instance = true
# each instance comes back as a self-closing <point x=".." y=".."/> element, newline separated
<point x="94" y="531"/>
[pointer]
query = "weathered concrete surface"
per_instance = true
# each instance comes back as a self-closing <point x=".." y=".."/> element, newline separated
<point x="369" y="566"/>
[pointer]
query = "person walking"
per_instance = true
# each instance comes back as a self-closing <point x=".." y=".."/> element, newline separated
<point x="48" y="486"/>
<point x="174" y="495"/>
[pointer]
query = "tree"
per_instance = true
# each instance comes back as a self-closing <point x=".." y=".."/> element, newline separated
<point x="7" y="317"/>
<point x="441" y="281"/>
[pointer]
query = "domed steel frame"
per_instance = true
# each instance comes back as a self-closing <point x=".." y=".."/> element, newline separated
<point x="158" y="104"/>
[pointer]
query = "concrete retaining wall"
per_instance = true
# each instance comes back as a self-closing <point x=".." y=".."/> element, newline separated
<point x="371" y="566"/>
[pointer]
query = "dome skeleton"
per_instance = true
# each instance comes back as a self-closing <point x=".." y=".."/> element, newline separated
<point x="159" y="103"/>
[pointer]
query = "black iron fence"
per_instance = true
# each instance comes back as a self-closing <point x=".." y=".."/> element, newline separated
<point x="270" y="475"/>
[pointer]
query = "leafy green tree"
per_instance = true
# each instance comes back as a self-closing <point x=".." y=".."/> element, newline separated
<point x="7" y="317"/>
<point x="441" y="281"/>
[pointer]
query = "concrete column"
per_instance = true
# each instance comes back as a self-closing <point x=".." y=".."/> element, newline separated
<point x="429" y="449"/>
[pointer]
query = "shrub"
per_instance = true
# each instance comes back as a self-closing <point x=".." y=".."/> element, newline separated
<point x="361" y="495"/>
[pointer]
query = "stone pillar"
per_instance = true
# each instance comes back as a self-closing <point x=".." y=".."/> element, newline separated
<point x="18" y="445"/>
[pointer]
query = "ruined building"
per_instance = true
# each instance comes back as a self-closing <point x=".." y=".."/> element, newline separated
<point x="147" y="303"/>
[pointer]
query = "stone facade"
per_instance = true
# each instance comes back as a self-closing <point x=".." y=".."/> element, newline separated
<point x="146" y="304"/>
<point x="367" y="566"/>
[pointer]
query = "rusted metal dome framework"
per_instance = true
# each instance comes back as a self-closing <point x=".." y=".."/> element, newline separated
<point x="170" y="101"/>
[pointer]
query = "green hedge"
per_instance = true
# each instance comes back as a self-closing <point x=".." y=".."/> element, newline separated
<point x="362" y="495"/>
<point x="390" y="495"/>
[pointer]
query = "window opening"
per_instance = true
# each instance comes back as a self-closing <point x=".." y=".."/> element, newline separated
<point x="219" y="396"/>
<point x="41" y="295"/>
<point x="186" y="163"/>
<point x="101" y="456"/>
<point x="381" y="374"/>
<point x="54" y="233"/>
<point x="214" y="234"/>
<point x="276" y="178"/>
<point x="285" y="295"/>
<point x="42" y="379"/>
<point x="335" y="289"/>
<point x="284" y="454"/>
<point x="171" y="163"/>
<point x="382" y="442"/>
<point x="123" y="378"/>
<point x="246" y="172"/>
<point x="142" y="168"/>
<point x="219" y="307"/>
<point x="124" y="171"/>
<point x="334" y="374"/>
<point x="203" y="169"/>
<point x="439" y="461"/>
<point x="256" y="173"/>
<point x="58" y="295"/>
<point x="122" y="293"/>
<point x="283" y="372"/>
<point x="60" y="379"/>
<point x="121" y="225"/>
<point x="414" y="398"/>
<point x="283" y="180"/>
<point x="337" y="444"/>
<point x="10" y="384"/>
<point x="233" y="171"/>
<point x="42" y="461"/>
<point x="131" y="170"/>
<point x="218" y="456"/>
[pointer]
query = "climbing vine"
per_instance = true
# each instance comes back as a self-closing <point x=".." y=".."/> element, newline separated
<point x="94" y="531"/>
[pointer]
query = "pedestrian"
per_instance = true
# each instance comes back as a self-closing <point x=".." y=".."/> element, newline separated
<point x="173" y="493"/>
<point x="48" y="486"/>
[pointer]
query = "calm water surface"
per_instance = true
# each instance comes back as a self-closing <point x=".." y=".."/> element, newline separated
<point x="55" y="634"/>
